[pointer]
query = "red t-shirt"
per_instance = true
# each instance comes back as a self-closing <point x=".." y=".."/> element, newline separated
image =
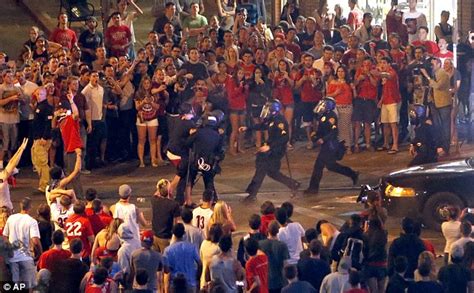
<point x="309" y="93"/>
<point x="398" y="57"/>
<point x="282" y="91"/>
<point x="236" y="94"/>
<point x="89" y="212"/>
<point x="257" y="266"/>
<point x="430" y="46"/>
<point x="345" y="97"/>
<point x="70" y="134"/>
<point x="355" y="18"/>
<point x="118" y="36"/>
<point x="96" y="223"/>
<point x="248" y="69"/>
<point x="444" y="56"/>
<point x="266" y="220"/>
<point x="391" y="89"/>
<point x="78" y="226"/>
<point x="365" y="89"/>
<point x="50" y="259"/>
<point x="66" y="38"/>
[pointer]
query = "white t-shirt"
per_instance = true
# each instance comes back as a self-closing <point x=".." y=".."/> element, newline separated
<point x="19" y="229"/>
<point x="201" y="218"/>
<point x="451" y="232"/>
<point x="128" y="213"/>
<point x="291" y="234"/>
<point x="59" y="214"/>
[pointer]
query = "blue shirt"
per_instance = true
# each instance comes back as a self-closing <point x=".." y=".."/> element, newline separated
<point x="182" y="257"/>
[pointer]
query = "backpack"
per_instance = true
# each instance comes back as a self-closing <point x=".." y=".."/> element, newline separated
<point x="354" y="249"/>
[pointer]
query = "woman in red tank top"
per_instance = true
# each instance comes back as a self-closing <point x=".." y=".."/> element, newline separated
<point x="283" y="91"/>
<point x="238" y="90"/>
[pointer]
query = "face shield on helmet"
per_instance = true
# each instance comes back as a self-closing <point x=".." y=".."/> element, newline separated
<point x="325" y="105"/>
<point x="270" y="109"/>
<point x="417" y="114"/>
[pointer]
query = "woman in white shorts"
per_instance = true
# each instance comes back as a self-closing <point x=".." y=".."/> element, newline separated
<point x="147" y="121"/>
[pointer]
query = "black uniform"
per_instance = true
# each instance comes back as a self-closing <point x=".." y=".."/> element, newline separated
<point x="206" y="144"/>
<point x="269" y="163"/>
<point x="327" y="131"/>
<point x="42" y="121"/>
<point x="424" y="145"/>
<point x="177" y="146"/>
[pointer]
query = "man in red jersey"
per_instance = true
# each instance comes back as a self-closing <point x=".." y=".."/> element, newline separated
<point x="78" y="226"/>
<point x="51" y="258"/>
<point x="310" y="85"/>
<point x="118" y="37"/>
<point x="63" y="35"/>
<point x="256" y="268"/>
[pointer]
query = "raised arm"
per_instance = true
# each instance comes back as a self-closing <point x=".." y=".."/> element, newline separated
<point x="15" y="159"/>
<point x="77" y="168"/>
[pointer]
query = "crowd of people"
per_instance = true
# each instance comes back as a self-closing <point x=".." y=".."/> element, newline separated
<point x="74" y="102"/>
<point x="90" y="247"/>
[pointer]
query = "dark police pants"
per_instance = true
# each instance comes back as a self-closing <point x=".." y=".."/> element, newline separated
<point x="268" y="165"/>
<point x="442" y="124"/>
<point x="326" y="158"/>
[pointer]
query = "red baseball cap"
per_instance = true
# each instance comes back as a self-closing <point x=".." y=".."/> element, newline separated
<point x="147" y="236"/>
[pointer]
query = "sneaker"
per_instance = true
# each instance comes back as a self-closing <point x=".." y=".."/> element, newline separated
<point x="249" y="198"/>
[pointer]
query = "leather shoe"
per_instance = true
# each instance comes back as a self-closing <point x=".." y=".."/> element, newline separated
<point x="249" y="198"/>
<point x="311" y="192"/>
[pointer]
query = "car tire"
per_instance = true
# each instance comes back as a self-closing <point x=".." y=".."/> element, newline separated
<point x="431" y="216"/>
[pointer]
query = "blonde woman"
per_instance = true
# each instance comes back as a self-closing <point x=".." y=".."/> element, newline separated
<point x="4" y="214"/>
<point x="107" y="239"/>
<point x="231" y="57"/>
<point x="223" y="215"/>
<point x="428" y="258"/>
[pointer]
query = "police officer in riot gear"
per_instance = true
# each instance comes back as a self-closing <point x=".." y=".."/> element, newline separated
<point x="268" y="160"/>
<point x="178" y="151"/>
<point x="207" y="151"/>
<point x="327" y="137"/>
<point x="423" y="146"/>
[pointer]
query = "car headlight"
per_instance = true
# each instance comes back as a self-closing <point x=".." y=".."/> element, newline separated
<point x="393" y="191"/>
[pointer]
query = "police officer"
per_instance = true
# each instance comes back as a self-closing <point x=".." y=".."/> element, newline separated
<point x="327" y="137"/>
<point x="423" y="146"/>
<point x="207" y="151"/>
<point x="178" y="151"/>
<point x="268" y="161"/>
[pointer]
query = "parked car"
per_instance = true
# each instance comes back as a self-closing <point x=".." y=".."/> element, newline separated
<point x="423" y="192"/>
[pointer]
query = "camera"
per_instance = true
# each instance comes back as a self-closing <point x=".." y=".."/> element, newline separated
<point x="182" y="81"/>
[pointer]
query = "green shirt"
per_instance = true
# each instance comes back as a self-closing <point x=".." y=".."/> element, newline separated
<point x="192" y="23"/>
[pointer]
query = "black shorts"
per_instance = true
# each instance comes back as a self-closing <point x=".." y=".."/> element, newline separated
<point x="162" y="126"/>
<point x="369" y="271"/>
<point x="99" y="130"/>
<point x="364" y="110"/>
<point x="256" y="110"/>
<point x="307" y="111"/>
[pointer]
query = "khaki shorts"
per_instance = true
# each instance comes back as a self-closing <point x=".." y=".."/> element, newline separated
<point x="390" y="113"/>
<point x="159" y="244"/>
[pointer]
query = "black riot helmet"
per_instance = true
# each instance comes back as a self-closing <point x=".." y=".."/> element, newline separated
<point x="325" y="105"/>
<point x="270" y="109"/>
<point x="210" y="121"/>
<point x="418" y="114"/>
<point x="219" y="115"/>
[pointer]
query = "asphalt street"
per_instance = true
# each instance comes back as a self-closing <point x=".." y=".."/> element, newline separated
<point x="335" y="202"/>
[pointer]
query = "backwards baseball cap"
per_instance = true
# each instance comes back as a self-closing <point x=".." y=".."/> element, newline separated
<point x="345" y="264"/>
<point x="147" y="236"/>
<point x="125" y="191"/>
